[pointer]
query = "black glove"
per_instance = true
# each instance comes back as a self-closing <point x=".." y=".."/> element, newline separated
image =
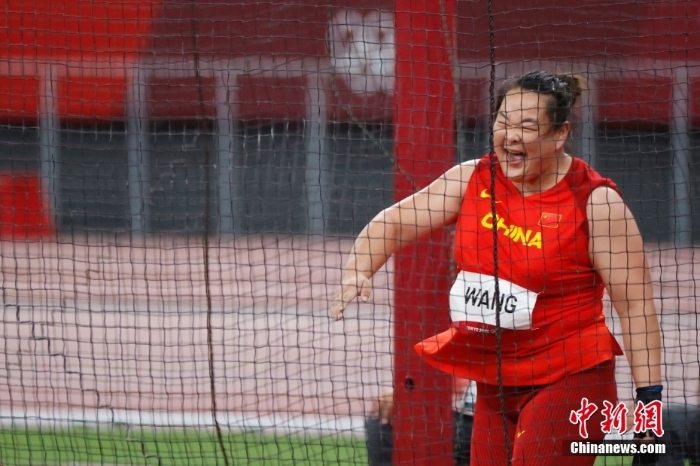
<point x="646" y="395"/>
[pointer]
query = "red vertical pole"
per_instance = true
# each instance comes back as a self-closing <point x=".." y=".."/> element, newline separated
<point x="424" y="149"/>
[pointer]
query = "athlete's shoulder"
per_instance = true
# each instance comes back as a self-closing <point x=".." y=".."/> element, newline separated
<point x="462" y="172"/>
<point x="470" y="163"/>
<point x="583" y="172"/>
<point x="585" y="180"/>
<point x="480" y="165"/>
<point x="605" y="195"/>
<point x="484" y="160"/>
<point x="605" y="203"/>
<point x="608" y="215"/>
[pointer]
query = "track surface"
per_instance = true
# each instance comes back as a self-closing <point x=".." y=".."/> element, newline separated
<point x="120" y="324"/>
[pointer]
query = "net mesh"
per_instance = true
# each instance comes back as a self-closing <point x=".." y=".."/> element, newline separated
<point x="181" y="183"/>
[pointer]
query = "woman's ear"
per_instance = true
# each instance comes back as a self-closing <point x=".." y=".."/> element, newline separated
<point x="562" y="135"/>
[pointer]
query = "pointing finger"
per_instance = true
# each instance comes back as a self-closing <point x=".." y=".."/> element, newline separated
<point x="365" y="290"/>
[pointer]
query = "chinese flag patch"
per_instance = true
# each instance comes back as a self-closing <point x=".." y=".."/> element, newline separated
<point x="549" y="220"/>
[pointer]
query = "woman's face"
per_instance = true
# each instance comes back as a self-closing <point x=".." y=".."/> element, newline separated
<point x="525" y="141"/>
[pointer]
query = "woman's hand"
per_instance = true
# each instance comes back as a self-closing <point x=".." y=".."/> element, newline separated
<point x="354" y="285"/>
<point x="383" y="407"/>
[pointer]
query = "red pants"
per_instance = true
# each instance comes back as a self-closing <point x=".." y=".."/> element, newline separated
<point x="538" y="419"/>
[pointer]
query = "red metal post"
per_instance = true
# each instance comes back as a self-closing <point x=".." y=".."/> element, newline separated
<point x="424" y="149"/>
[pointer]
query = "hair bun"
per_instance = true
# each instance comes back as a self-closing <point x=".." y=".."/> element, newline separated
<point x="575" y="84"/>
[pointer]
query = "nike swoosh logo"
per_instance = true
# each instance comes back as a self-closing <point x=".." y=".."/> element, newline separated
<point x="485" y="195"/>
<point x="520" y="433"/>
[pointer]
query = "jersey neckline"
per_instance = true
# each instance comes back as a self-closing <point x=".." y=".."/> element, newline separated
<point x="511" y="187"/>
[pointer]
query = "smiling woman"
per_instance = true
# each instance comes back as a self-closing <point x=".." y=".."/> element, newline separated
<point x="563" y="235"/>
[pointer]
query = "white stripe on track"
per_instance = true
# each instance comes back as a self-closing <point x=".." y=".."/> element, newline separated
<point x="234" y="422"/>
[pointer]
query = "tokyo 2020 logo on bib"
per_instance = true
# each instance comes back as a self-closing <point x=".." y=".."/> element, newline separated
<point x="363" y="50"/>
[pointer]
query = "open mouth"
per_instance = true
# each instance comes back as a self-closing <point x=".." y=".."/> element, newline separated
<point x="515" y="156"/>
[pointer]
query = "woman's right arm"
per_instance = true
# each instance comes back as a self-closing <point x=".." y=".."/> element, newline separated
<point x="433" y="207"/>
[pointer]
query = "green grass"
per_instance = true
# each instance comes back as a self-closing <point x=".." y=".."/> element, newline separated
<point x="613" y="461"/>
<point x="111" y="446"/>
<point x="619" y="461"/>
<point x="119" y="446"/>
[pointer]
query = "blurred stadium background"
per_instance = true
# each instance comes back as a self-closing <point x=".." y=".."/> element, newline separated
<point x="180" y="181"/>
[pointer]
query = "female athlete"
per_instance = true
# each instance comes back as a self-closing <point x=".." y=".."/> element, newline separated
<point x="564" y="234"/>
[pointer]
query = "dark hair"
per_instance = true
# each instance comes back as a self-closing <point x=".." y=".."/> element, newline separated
<point x="564" y="90"/>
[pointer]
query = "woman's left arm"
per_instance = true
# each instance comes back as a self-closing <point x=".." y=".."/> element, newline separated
<point x="617" y="253"/>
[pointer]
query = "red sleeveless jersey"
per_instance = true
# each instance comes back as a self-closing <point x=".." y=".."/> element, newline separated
<point x="551" y="298"/>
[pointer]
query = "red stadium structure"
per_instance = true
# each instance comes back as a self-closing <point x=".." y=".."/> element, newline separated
<point x="126" y="60"/>
<point x="91" y="49"/>
<point x="23" y="208"/>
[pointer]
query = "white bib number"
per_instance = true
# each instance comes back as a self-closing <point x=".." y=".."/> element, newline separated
<point x="473" y="299"/>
